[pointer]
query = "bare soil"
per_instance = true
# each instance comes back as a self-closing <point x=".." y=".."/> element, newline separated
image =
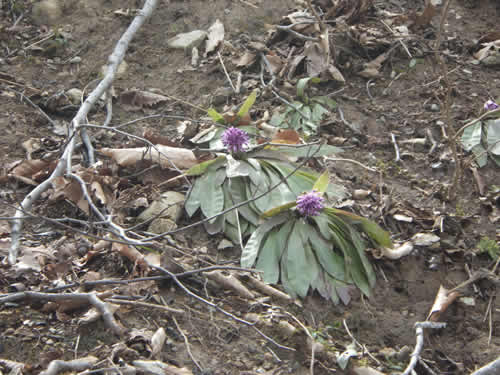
<point x="415" y="186"/>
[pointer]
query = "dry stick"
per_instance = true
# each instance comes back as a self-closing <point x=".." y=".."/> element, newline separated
<point x="452" y="190"/>
<point x="58" y="366"/>
<point x="492" y="368"/>
<point x="144" y="304"/>
<point x="64" y="163"/>
<point x="90" y="298"/>
<point x="188" y="347"/>
<point x="217" y="308"/>
<point x="419" y="329"/>
<point x="225" y="72"/>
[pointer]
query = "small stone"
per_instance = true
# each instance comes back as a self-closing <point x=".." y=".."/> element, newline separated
<point x="75" y="95"/>
<point x="434" y="107"/>
<point x="187" y="41"/>
<point x="75" y="60"/>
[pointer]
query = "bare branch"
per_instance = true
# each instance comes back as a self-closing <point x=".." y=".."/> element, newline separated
<point x="64" y="164"/>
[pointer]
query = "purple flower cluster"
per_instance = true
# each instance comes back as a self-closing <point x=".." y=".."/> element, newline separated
<point x="310" y="204"/>
<point x="490" y="105"/>
<point x="235" y="139"/>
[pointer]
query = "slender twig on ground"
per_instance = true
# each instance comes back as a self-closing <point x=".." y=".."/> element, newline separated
<point x="188" y="347"/>
<point x="419" y="331"/>
<point x="452" y="190"/>
<point x="89" y="298"/>
<point x="80" y="364"/>
<point x="64" y="164"/>
<point x="492" y="368"/>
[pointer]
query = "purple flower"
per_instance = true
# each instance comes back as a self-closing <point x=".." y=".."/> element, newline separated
<point x="490" y="105"/>
<point x="310" y="204"/>
<point x="235" y="139"/>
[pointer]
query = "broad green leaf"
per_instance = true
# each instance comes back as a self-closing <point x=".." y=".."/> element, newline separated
<point x="237" y="168"/>
<point x="205" y="135"/>
<point x="360" y="246"/>
<point x="472" y="136"/>
<point x="193" y="200"/>
<point x="493" y="136"/>
<point x="332" y="262"/>
<point x="270" y="253"/>
<point x="247" y="104"/>
<point x="279" y="209"/>
<point x="231" y="232"/>
<point x="251" y="250"/>
<point x="299" y="263"/>
<point x="325" y="101"/>
<point x="318" y="111"/>
<point x="321" y="183"/>
<point x="199" y="169"/>
<point x="377" y="234"/>
<point x="237" y="189"/>
<point x="212" y="201"/>
<point x="215" y="226"/>
<point x="332" y="288"/>
<point x="311" y="150"/>
<point x="496" y="159"/>
<point x="302" y="85"/>
<point x="481" y="155"/>
<point x="277" y="119"/>
<point x="282" y="193"/>
<point x="216" y="142"/>
<point x="322" y="223"/>
<point x="216" y="116"/>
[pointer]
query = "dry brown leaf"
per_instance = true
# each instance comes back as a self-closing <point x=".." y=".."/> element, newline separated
<point x="443" y="299"/>
<point x="131" y="253"/>
<point x="165" y="156"/>
<point x="275" y="62"/>
<point x="286" y="136"/>
<point x="245" y="60"/>
<point x="32" y="168"/>
<point x="135" y="99"/>
<point x="70" y="190"/>
<point x="215" y="36"/>
<point x="372" y="68"/>
<point x="157" y="341"/>
<point x="152" y="136"/>
<point x="425" y="17"/>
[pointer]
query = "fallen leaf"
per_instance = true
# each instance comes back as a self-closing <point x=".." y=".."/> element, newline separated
<point x="167" y="157"/>
<point x="215" y="36"/>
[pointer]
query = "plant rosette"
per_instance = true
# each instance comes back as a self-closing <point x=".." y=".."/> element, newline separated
<point x="307" y="247"/>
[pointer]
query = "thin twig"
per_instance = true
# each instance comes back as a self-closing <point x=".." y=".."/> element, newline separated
<point x="62" y="166"/>
<point x="396" y="148"/>
<point x="225" y="72"/>
<point x="419" y="331"/>
<point x="188" y="347"/>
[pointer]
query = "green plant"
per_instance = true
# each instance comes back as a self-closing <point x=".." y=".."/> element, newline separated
<point x="483" y="137"/>
<point x="305" y="114"/>
<point x="307" y="250"/>
<point x="489" y="246"/>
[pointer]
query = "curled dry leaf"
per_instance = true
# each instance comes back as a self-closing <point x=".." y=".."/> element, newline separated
<point x="157" y="341"/>
<point x="166" y="156"/>
<point x="394" y="253"/>
<point x="215" y="36"/>
<point x="443" y="299"/>
<point x="131" y="253"/>
<point x="135" y="99"/>
<point x="36" y="170"/>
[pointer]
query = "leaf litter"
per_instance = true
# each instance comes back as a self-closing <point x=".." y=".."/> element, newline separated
<point x="281" y="56"/>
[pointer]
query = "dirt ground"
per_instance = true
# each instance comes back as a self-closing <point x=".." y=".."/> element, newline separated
<point x="404" y="101"/>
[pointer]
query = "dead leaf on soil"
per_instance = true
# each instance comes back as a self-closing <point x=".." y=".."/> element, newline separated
<point x="372" y="68"/>
<point x="165" y="156"/>
<point x="215" y="36"/>
<point x="245" y="60"/>
<point x="134" y="99"/>
<point x="424" y="18"/>
<point x="131" y="253"/>
<point x="443" y="299"/>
